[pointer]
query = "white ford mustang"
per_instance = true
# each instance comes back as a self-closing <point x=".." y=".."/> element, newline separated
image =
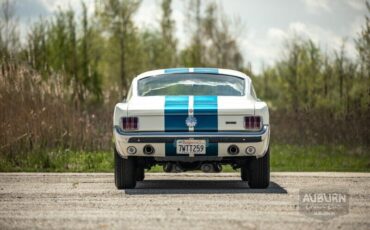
<point x="191" y="119"/>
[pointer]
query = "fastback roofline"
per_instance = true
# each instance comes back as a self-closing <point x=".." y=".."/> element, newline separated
<point x="192" y="70"/>
<point x="189" y="70"/>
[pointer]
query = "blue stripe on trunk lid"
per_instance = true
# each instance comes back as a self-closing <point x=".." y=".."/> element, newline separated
<point x="205" y="111"/>
<point x="175" y="113"/>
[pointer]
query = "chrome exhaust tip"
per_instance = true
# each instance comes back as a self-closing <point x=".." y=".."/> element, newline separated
<point x="148" y="150"/>
<point x="233" y="150"/>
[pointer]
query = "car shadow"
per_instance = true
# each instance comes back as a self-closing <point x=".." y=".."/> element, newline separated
<point x="153" y="187"/>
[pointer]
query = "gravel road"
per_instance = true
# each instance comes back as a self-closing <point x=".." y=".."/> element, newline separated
<point x="174" y="201"/>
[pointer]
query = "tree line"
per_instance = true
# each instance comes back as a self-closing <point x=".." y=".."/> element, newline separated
<point x="106" y="49"/>
<point x="81" y="64"/>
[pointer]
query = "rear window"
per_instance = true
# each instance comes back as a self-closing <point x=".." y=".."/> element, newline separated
<point x="191" y="84"/>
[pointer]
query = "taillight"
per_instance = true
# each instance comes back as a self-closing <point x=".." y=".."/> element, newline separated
<point x="130" y="123"/>
<point x="253" y="123"/>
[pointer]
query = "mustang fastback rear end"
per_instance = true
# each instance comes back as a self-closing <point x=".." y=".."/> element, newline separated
<point x="191" y="119"/>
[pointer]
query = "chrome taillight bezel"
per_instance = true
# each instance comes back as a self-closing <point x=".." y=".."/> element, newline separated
<point x="130" y="123"/>
<point x="253" y="123"/>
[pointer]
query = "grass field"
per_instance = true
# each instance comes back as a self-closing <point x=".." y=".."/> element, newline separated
<point x="283" y="158"/>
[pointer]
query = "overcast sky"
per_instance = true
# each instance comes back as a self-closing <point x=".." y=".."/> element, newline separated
<point x="265" y="24"/>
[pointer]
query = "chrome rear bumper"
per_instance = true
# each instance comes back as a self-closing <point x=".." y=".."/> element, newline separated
<point x="258" y="140"/>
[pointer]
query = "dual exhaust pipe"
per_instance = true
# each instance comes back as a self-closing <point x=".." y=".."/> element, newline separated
<point x="232" y="150"/>
<point x="148" y="150"/>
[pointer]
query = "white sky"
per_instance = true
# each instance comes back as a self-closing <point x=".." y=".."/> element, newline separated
<point x="265" y="24"/>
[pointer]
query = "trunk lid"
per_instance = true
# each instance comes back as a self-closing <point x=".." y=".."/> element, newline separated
<point x="190" y="113"/>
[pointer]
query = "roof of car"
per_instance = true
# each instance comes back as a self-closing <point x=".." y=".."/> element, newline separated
<point x="193" y="70"/>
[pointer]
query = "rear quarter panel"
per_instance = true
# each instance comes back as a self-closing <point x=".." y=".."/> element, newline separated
<point x="120" y="110"/>
<point x="262" y="110"/>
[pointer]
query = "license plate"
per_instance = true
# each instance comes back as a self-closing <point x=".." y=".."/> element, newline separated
<point x="191" y="147"/>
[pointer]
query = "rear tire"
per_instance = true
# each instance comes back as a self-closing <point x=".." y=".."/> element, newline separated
<point x="258" y="172"/>
<point x="140" y="174"/>
<point x="124" y="171"/>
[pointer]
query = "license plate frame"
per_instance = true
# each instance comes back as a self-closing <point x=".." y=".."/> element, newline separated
<point x="191" y="147"/>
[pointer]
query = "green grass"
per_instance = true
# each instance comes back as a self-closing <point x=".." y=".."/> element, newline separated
<point x="319" y="158"/>
<point x="283" y="158"/>
<point x="58" y="161"/>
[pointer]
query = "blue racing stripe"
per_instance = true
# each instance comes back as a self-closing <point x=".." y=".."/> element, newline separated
<point x="175" y="113"/>
<point x="206" y="70"/>
<point x="205" y="111"/>
<point x="177" y="70"/>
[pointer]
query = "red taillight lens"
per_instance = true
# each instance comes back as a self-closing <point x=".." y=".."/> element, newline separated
<point x="130" y="123"/>
<point x="253" y="123"/>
